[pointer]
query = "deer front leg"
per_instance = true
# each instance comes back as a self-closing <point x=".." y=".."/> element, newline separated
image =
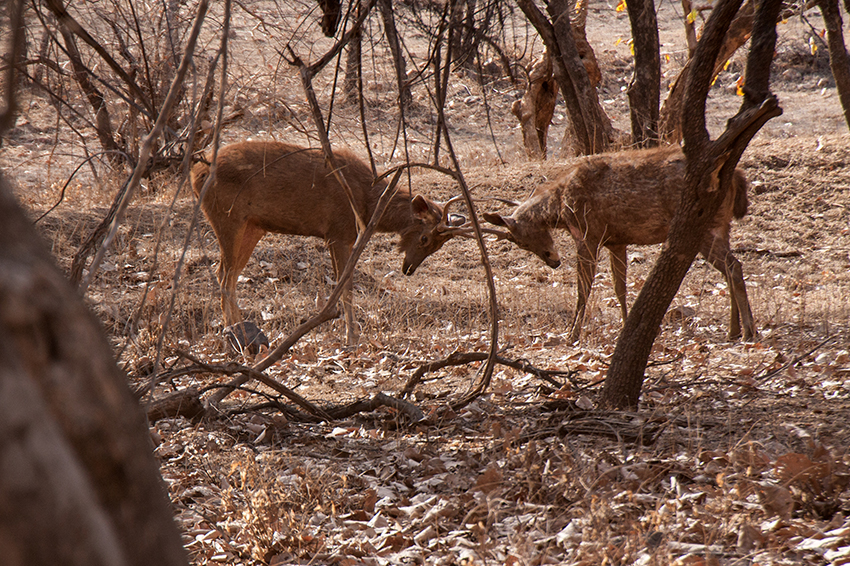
<point x="585" y="271"/>
<point x="236" y="250"/>
<point x="339" y="257"/>
<point x="617" y="255"/>
<point x="724" y="261"/>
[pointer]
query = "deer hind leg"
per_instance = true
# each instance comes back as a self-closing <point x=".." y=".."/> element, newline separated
<point x="586" y="256"/>
<point x="617" y="255"/>
<point x="236" y="250"/>
<point x="340" y="252"/>
<point x="719" y="255"/>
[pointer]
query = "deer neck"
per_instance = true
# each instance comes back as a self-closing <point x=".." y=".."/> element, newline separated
<point x="397" y="216"/>
<point x="542" y="208"/>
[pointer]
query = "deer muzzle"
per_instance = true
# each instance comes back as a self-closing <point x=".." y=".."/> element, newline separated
<point x="408" y="268"/>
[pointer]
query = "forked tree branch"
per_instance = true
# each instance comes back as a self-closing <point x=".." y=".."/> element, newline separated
<point x="319" y="122"/>
<point x="74" y="26"/>
<point x="343" y="41"/>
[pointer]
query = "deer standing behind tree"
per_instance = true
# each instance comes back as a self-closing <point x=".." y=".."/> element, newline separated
<point x="267" y="186"/>
<point x="620" y="199"/>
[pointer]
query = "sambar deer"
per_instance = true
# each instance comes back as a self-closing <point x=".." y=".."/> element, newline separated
<point x="620" y="199"/>
<point x="268" y="186"/>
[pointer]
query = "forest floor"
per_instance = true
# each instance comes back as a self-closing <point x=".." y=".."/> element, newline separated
<point x="737" y="455"/>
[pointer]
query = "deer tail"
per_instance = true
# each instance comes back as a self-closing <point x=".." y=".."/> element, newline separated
<point x="200" y="171"/>
<point x="740" y="186"/>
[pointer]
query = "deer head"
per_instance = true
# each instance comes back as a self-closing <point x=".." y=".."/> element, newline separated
<point x="434" y="227"/>
<point x="528" y="234"/>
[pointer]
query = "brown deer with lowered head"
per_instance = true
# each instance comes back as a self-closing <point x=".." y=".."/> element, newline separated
<point x="619" y="199"/>
<point x="267" y="186"/>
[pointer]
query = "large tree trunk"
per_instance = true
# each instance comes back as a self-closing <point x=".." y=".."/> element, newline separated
<point x="645" y="89"/>
<point x="670" y="120"/>
<point x="78" y="483"/>
<point x="838" y="59"/>
<point x="710" y="168"/>
<point x="589" y="130"/>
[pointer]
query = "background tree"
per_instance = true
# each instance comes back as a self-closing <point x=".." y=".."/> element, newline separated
<point x="839" y="61"/>
<point x="590" y="130"/>
<point x="645" y="88"/>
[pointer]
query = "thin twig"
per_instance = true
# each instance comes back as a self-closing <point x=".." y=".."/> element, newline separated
<point x="145" y="151"/>
<point x="175" y="287"/>
<point x="796" y="359"/>
<point x="319" y="122"/>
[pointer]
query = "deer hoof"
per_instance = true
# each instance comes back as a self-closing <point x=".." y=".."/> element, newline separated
<point x="245" y="337"/>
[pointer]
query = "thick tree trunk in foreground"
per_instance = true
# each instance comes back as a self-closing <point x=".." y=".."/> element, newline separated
<point x="645" y="89"/>
<point x="710" y="168"/>
<point x="78" y="483"/>
<point x="839" y="61"/>
<point x="670" y="119"/>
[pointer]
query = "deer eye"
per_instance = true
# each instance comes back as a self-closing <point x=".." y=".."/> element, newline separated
<point x="424" y="239"/>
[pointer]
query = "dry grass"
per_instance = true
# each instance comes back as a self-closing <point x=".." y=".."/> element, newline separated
<point x="505" y="481"/>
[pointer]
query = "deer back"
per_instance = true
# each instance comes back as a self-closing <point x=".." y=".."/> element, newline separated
<point x="285" y="188"/>
<point x="630" y="197"/>
<point x="621" y="198"/>
<point x="288" y="189"/>
<point x="624" y="197"/>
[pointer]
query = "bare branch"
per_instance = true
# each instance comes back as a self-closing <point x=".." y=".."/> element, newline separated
<point x="74" y="26"/>
<point x="145" y="151"/>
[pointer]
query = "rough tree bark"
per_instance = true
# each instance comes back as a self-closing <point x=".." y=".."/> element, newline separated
<point x="839" y="61"/>
<point x="590" y="130"/>
<point x="670" y="120"/>
<point x="645" y="88"/>
<point x="78" y="483"/>
<point x="537" y="106"/>
<point x="690" y="28"/>
<point x="710" y="167"/>
<point x="578" y="19"/>
<point x="353" y="61"/>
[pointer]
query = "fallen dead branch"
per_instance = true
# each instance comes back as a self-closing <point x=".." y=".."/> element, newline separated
<point x="187" y="402"/>
<point x="461" y="358"/>
<point x="182" y="403"/>
<point x="380" y="400"/>
<point x="247" y="373"/>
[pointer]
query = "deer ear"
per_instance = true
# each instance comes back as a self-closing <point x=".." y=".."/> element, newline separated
<point x="498" y="219"/>
<point x="420" y="207"/>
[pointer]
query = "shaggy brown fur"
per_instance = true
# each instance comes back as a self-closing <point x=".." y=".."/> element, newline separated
<point x="620" y="199"/>
<point x="267" y="186"/>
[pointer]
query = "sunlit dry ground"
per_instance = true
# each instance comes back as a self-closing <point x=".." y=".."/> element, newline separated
<point x="523" y="475"/>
